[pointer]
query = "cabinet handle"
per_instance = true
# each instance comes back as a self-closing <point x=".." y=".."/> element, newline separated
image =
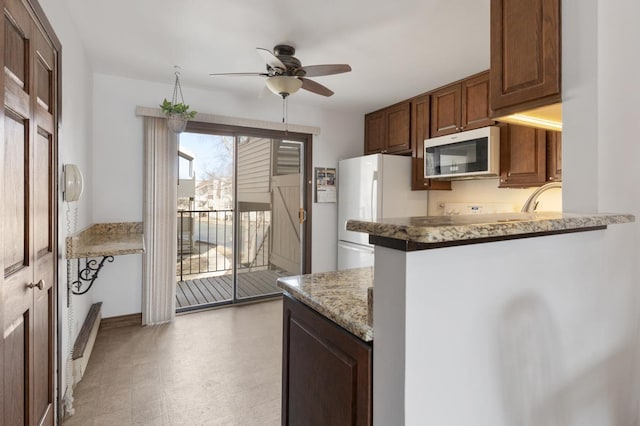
<point x="40" y="285"/>
<point x="461" y="127"/>
<point x="509" y="174"/>
<point x="551" y="178"/>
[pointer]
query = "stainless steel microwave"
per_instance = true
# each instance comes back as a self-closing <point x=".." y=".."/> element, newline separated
<point x="464" y="155"/>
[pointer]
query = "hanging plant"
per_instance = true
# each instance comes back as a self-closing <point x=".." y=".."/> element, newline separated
<point x="177" y="112"/>
<point x="177" y="115"/>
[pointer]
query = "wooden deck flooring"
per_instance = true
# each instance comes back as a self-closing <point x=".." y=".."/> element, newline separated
<point x="211" y="290"/>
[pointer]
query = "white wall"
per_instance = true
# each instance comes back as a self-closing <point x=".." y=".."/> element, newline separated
<point x="533" y="331"/>
<point x="117" y="164"/>
<point x="74" y="147"/>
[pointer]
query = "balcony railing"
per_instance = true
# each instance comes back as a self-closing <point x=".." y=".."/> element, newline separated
<point x="205" y="241"/>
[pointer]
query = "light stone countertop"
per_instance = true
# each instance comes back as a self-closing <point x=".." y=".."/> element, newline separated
<point x="106" y="239"/>
<point x="340" y="296"/>
<point x="465" y="228"/>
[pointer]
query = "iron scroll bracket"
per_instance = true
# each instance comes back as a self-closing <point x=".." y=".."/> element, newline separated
<point x="88" y="275"/>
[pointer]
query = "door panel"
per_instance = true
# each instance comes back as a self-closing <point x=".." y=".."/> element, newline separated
<point x="15" y="204"/>
<point x="16" y="52"/>
<point x="43" y="196"/>
<point x="285" y="252"/>
<point x="43" y="361"/>
<point x="16" y="341"/>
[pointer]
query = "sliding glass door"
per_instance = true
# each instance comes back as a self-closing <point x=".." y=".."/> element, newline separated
<point x="241" y="204"/>
<point x="269" y="201"/>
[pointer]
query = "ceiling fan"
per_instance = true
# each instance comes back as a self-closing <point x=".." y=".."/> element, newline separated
<point x="286" y="75"/>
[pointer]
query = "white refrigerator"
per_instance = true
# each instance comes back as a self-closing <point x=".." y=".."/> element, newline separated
<point x="372" y="187"/>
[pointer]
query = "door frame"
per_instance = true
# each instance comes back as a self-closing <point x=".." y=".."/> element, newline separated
<point x="307" y="141"/>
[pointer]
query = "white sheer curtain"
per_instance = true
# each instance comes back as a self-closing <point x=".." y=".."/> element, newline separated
<point x="159" y="214"/>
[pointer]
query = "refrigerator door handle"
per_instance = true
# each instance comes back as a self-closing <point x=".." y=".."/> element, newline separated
<point x="374" y="199"/>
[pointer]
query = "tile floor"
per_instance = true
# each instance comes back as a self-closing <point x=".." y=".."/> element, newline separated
<point x="217" y="367"/>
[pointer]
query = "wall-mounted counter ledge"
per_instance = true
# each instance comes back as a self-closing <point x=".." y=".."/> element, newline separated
<point x="106" y="239"/>
<point x="340" y="296"/>
<point x="420" y="233"/>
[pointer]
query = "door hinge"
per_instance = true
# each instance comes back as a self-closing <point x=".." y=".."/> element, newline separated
<point x="302" y="215"/>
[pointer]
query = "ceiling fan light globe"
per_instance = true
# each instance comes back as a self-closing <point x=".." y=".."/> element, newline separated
<point x="284" y="85"/>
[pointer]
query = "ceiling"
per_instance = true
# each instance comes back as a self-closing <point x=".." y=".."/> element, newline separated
<point x="397" y="49"/>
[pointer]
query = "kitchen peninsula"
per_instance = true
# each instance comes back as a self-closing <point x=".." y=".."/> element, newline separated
<point x="457" y="298"/>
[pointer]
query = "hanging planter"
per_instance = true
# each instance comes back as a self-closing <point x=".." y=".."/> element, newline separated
<point x="177" y="122"/>
<point x="177" y="112"/>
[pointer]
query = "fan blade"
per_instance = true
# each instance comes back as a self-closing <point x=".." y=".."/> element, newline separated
<point x="271" y="59"/>
<point x="263" y="74"/>
<point x="314" y="87"/>
<point x="318" y="70"/>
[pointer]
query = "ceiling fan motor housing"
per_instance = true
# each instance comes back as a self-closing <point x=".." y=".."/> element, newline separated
<point x="285" y="53"/>
<point x="285" y="73"/>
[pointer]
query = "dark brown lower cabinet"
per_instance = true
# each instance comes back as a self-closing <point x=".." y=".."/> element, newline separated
<point x="326" y="371"/>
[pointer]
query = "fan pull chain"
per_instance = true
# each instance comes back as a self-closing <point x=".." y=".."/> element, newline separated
<point x="285" y="114"/>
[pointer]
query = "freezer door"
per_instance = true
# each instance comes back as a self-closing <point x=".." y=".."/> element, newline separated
<point x="354" y="255"/>
<point x="358" y="189"/>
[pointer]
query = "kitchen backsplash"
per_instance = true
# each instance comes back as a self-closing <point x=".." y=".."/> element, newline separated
<point x="487" y="191"/>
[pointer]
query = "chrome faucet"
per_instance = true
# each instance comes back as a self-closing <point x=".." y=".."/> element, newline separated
<point x="531" y="203"/>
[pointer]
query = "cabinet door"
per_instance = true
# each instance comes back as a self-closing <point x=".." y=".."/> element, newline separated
<point x="420" y="132"/>
<point x="445" y="110"/>
<point x="525" y="54"/>
<point x="522" y="156"/>
<point x="326" y="371"/>
<point x="554" y="156"/>
<point x="398" y="128"/>
<point x="475" y="102"/>
<point x="374" y="132"/>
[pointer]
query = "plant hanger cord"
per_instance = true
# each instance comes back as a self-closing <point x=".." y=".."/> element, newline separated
<point x="177" y="88"/>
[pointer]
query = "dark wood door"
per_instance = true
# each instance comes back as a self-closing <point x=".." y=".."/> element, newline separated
<point x="522" y="156"/>
<point x="475" y="102"/>
<point x="28" y="295"/>
<point x="554" y="156"/>
<point x="326" y="371"/>
<point x="375" y="130"/>
<point x="398" y="128"/>
<point x="445" y="110"/>
<point x="525" y="55"/>
<point x="420" y="114"/>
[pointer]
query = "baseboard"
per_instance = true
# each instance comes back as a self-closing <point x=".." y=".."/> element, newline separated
<point x="84" y="342"/>
<point x="121" y="321"/>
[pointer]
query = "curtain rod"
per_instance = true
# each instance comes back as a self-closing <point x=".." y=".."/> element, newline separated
<point x="233" y="121"/>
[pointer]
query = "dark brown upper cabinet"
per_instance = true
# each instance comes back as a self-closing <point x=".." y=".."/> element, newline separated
<point x="525" y="55"/>
<point x="375" y="129"/>
<point x="388" y="131"/>
<point x="529" y="156"/>
<point x="419" y="132"/>
<point x="554" y="156"/>
<point x="463" y="105"/>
